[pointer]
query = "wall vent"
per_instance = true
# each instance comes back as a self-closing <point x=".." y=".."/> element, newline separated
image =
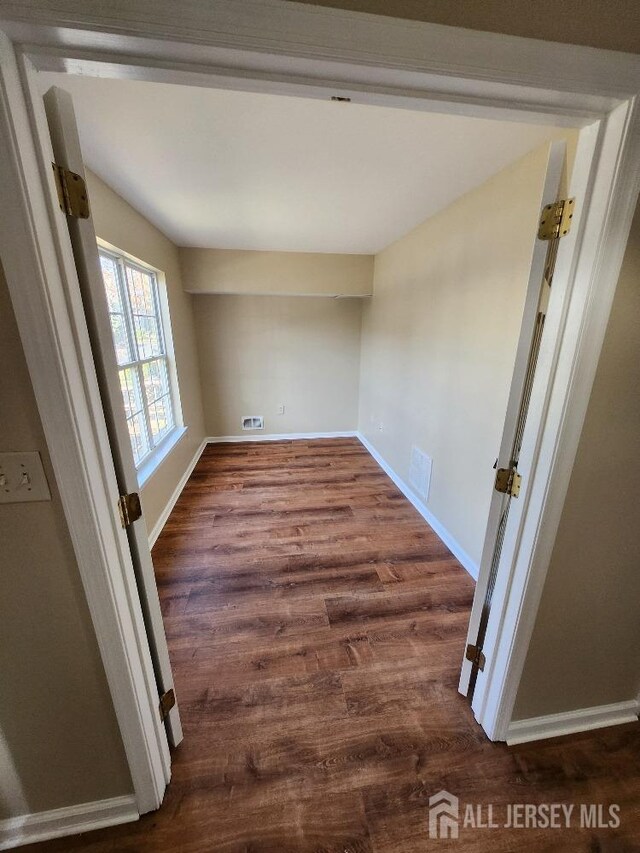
<point x="253" y="422"/>
<point x="420" y="472"/>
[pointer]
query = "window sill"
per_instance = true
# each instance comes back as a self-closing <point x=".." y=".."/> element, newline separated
<point x="151" y="465"/>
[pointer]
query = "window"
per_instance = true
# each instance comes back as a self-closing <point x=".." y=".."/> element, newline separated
<point x="141" y="352"/>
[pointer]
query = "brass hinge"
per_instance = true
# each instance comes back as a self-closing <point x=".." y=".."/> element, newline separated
<point x="476" y="656"/>
<point x="508" y="481"/>
<point x="167" y="701"/>
<point x="72" y="192"/>
<point x="555" y="220"/>
<point x="130" y="508"/>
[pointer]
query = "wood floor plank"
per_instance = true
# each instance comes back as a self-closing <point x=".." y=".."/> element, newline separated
<point x="316" y="627"/>
<point x="391" y="606"/>
<point x="239" y="621"/>
<point x="256" y="660"/>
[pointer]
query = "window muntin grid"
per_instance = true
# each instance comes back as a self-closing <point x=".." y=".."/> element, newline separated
<point x="139" y="343"/>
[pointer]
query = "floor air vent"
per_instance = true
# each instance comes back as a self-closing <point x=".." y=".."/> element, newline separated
<point x="253" y="422"/>
<point x="420" y="472"/>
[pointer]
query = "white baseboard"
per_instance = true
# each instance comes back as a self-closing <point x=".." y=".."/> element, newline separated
<point x="571" y="722"/>
<point x="29" y="828"/>
<point x="166" y="512"/>
<point x="470" y="565"/>
<point x="285" y="436"/>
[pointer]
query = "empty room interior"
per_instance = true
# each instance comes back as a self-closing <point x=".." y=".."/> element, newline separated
<point x="316" y="308"/>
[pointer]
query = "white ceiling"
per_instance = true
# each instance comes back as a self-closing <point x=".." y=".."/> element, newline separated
<point x="239" y="170"/>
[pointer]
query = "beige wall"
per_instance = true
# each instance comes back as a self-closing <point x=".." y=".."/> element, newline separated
<point x="122" y="226"/>
<point x="435" y="371"/>
<point x="614" y="25"/>
<point x="259" y="352"/>
<point x="585" y="648"/>
<point x="276" y="273"/>
<point x="56" y="715"/>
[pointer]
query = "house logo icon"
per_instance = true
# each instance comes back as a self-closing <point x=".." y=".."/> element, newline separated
<point x="443" y="815"/>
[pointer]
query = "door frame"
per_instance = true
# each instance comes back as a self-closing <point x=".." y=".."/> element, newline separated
<point x="557" y="163"/>
<point x="276" y="46"/>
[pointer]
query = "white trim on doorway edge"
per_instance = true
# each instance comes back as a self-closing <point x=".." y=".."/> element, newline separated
<point x="571" y="722"/>
<point x="70" y="820"/>
<point x="42" y="281"/>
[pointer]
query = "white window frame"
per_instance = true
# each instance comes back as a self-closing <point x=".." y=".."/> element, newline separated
<point x="146" y="466"/>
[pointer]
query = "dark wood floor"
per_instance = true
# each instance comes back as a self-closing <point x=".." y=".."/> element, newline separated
<point x="316" y="627"/>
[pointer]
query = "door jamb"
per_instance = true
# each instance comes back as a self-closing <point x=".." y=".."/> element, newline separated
<point x="404" y="63"/>
<point x="60" y="363"/>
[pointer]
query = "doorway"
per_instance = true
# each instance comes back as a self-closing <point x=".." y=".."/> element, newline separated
<point x="586" y="176"/>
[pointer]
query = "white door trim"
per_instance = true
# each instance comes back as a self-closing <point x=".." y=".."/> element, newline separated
<point x="566" y="367"/>
<point x="270" y="45"/>
<point x="29" y="828"/>
<point x="60" y="363"/>
<point x="556" y="163"/>
<point x="570" y="722"/>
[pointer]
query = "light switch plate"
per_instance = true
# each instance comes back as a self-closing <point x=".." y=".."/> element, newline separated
<point x="22" y="478"/>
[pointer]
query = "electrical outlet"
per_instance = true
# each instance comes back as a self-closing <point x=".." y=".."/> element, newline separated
<point x="281" y="410"/>
<point x="22" y="478"/>
<point x="380" y="427"/>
